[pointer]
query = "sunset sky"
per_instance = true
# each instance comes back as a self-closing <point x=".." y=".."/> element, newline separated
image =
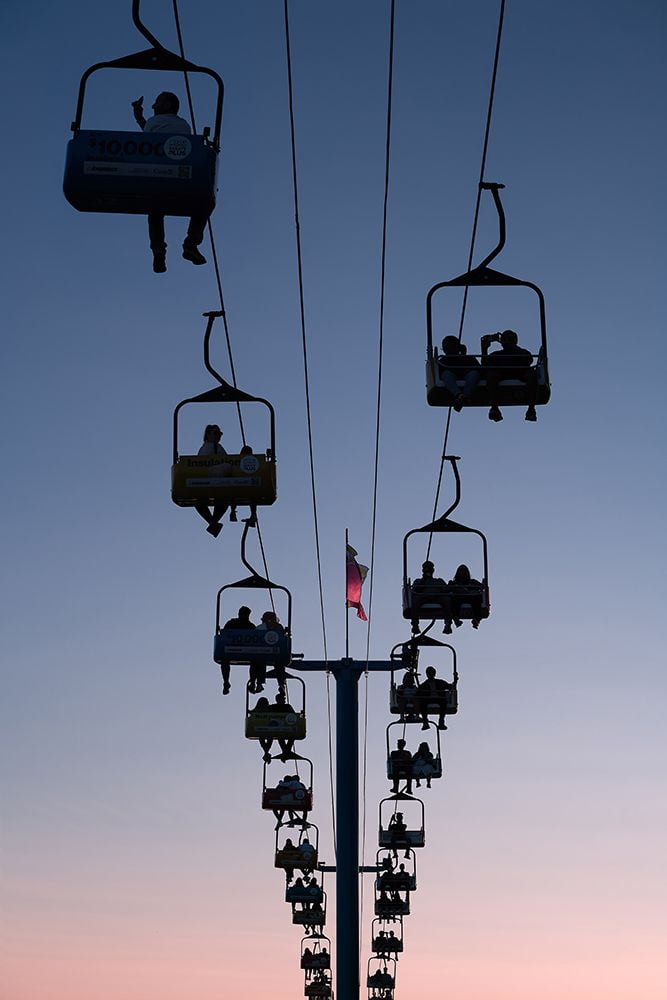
<point x="136" y="860"/>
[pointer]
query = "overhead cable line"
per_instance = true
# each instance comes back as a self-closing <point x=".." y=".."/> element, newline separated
<point x="482" y="171"/>
<point x="304" y="347"/>
<point x="218" y="279"/>
<point x="383" y="269"/>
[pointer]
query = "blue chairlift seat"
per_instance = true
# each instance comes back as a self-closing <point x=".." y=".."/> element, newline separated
<point x="140" y="173"/>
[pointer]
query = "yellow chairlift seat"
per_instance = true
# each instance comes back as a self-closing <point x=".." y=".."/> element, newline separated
<point x="224" y="479"/>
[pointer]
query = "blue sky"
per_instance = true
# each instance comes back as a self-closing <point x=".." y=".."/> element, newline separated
<point x="132" y="800"/>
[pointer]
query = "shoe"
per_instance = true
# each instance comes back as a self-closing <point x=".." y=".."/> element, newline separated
<point x="226" y="689"/>
<point x="193" y="254"/>
<point x="159" y="262"/>
<point x="458" y="622"/>
<point x="530" y="414"/>
<point x="232" y="516"/>
<point x="458" y="402"/>
<point x="424" y="725"/>
<point x="475" y="623"/>
<point x="447" y="629"/>
<point x="267" y="758"/>
<point x="495" y="414"/>
<point x="214" y="528"/>
<point x="442" y="727"/>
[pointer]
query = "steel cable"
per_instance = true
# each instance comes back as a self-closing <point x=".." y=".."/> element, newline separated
<point x="482" y="170"/>
<point x="218" y="280"/>
<point x="304" y="348"/>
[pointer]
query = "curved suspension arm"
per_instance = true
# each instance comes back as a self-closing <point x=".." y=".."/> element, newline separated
<point x="141" y="27"/>
<point x="438" y="524"/>
<point x="244" y="558"/>
<point x="494" y="188"/>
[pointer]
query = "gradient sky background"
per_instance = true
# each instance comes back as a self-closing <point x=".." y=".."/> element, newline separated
<point x="136" y="860"/>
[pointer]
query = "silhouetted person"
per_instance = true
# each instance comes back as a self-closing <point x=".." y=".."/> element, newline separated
<point x="427" y="582"/>
<point x="454" y="365"/>
<point x="434" y="690"/>
<point x="167" y="120"/>
<point x="463" y="579"/>
<point x="407" y="684"/>
<point x="212" y="446"/>
<point x="241" y="622"/>
<point x="271" y="623"/>
<point x="401" y="766"/>
<point x="423" y="764"/>
<point x="242" y="619"/>
<point x="509" y="362"/>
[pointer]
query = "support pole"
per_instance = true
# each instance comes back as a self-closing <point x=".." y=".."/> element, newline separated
<point x="346" y="674"/>
<point x="347" y="829"/>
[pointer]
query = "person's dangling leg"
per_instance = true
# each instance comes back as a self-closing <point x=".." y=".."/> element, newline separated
<point x="193" y="238"/>
<point x="157" y="242"/>
<point x="214" y="526"/>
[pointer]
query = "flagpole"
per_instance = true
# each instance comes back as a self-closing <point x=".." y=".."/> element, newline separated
<point x="347" y="610"/>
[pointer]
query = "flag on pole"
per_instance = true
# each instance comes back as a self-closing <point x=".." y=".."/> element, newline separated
<point x="355" y="574"/>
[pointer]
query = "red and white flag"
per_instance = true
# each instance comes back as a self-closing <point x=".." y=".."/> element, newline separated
<point x="355" y="574"/>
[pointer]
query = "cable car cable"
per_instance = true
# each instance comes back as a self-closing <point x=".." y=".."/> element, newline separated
<point x="304" y="347"/>
<point x="188" y="91"/>
<point x="383" y="269"/>
<point x="482" y="170"/>
<point x="302" y="315"/>
<point x="218" y="279"/>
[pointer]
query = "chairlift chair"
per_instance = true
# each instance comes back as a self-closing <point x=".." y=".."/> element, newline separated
<point x="319" y="986"/>
<point x="412" y="769"/>
<point x="317" y="957"/>
<point x="390" y="875"/>
<point x="380" y="974"/>
<point x="391" y="907"/>
<point x="301" y="854"/>
<point x="436" y="599"/>
<point x="262" y="648"/>
<point x="310" y="915"/>
<point x="401" y="836"/>
<point x="384" y="939"/>
<point x="303" y="893"/>
<point x="405" y="698"/>
<point x="234" y="480"/>
<point x="286" y="798"/>
<point x="142" y="173"/>
<point x="523" y="386"/>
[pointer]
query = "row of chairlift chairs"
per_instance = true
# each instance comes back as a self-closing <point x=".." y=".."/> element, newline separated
<point x="275" y="716"/>
<point x="116" y="172"/>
